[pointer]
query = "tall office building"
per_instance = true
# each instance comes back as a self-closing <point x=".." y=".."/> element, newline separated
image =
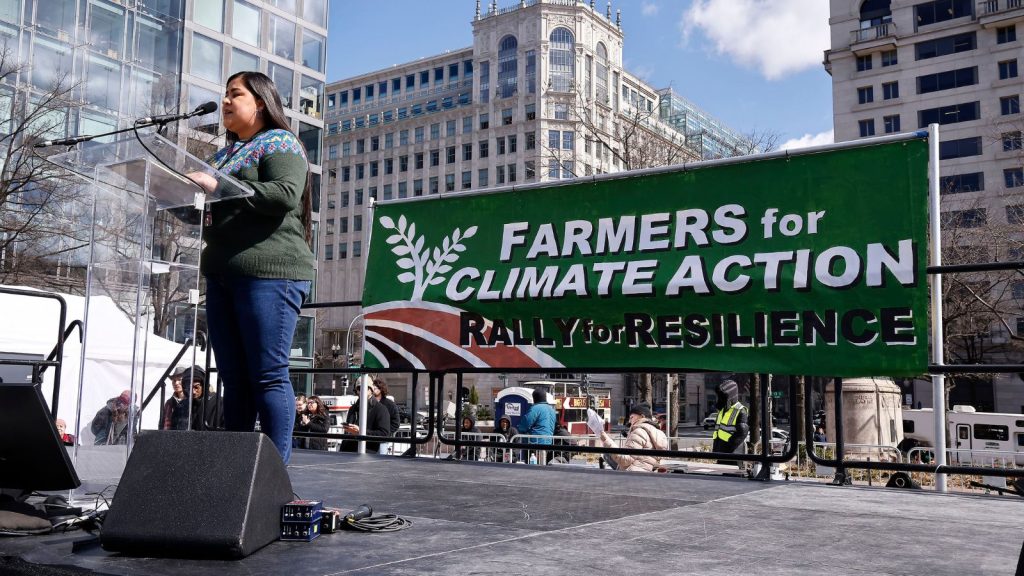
<point x="126" y="59"/>
<point x="900" y="65"/>
<point x="540" y="96"/>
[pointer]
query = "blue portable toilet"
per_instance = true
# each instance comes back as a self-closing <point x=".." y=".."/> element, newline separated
<point x="513" y="402"/>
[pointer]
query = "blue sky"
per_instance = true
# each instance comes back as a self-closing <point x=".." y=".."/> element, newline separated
<point x="754" y="64"/>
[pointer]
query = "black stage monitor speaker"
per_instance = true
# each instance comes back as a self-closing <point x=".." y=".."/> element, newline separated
<point x="32" y="456"/>
<point x="198" y="494"/>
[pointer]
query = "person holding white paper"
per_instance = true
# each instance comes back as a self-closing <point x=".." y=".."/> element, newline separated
<point x="643" y="434"/>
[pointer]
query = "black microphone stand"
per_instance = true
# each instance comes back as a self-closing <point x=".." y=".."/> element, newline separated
<point x="69" y="142"/>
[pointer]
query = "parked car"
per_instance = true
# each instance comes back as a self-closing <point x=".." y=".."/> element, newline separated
<point x="710" y="420"/>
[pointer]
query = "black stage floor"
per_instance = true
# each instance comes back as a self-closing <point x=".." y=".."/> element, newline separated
<point x="477" y="518"/>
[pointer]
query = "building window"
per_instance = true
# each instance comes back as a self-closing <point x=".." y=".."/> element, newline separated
<point x="467" y="180"/>
<point x="245" y="23"/>
<point x="467" y="124"/>
<point x="389" y="140"/>
<point x="1012" y="141"/>
<point x="357" y="249"/>
<point x="865" y="94"/>
<point x="562" y="60"/>
<point x="346" y="173"/>
<point x="943" y="46"/>
<point x="947" y="80"/>
<point x="360" y="171"/>
<point x="342" y="250"/>
<point x="485" y="81"/>
<point x="374" y="143"/>
<point x="449" y="155"/>
<point x="949" y="114"/>
<point x="417" y="187"/>
<point x="511" y="173"/>
<point x="435" y="131"/>
<point x="568" y="170"/>
<point x="863" y="63"/>
<point x="1015" y="215"/>
<point x="961" y="148"/>
<point x="343" y="224"/>
<point x="403" y="163"/>
<point x="434" y="187"/>
<point x="1013" y="177"/>
<point x="481" y="178"/>
<point x="506" y="117"/>
<point x="483" y="149"/>
<point x="403" y="189"/>
<point x="388" y="194"/>
<point x="344" y="199"/>
<point x="500" y="141"/>
<point x="561" y="111"/>
<point x="889" y="58"/>
<point x="512" y="143"/>
<point x="892" y="123"/>
<point x="554" y="139"/>
<point x="359" y="196"/>
<point x="531" y="111"/>
<point x="1006" y="34"/>
<point x="530" y="168"/>
<point x="531" y="71"/>
<point x="449" y="128"/>
<point x="357" y="223"/>
<point x="374" y="169"/>
<point x="499" y="175"/>
<point x="867" y="127"/>
<point x="485" y="121"/>
<point x="508" y="66"/>
<point x="435" y="157"/>
<point x="1007" y="69"/>
<point x="941" y="10"/>
<point x="329" y="229"/>
<point x="1009" y="105"/>
<point x="403" y="137"/>
<point x="449" y="182"/>
<point x="467" y="152"/>
<point x="389" y="166"/>
<point x="328" y="252"/>
<point x="972" y="182"/>
<point x="965" y="218"/>
<point x="419" y="133"/>
<point x="531" y="140"/>
<point x="568" y="140"/>
<point x="890" y="90"/>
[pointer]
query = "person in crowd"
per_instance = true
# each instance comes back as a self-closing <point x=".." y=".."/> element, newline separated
<point x="314" y="419"/>
<point x="540" y="419"/>
<point x="643" y="434"/>
<point x="381" y="394"/>
<point x="819" y="435"/>
<point x="507" y="432"/>
<point x="468" y="424"/>
<point x="300" y="410"/>
<point x="62" y="431"/>
<point x="378" y="421"/>
<point x="206" y="407"/>
<point x="257" y="258"/>
<point x="110" y="425"/>
<point x="175" y="412"/>
<point x="731" y="426"/>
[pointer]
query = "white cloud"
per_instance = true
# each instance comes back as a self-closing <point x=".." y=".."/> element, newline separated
<point x="808" y="140"/>
<point x="649" y="9"/>
<point x="778" y="37"/>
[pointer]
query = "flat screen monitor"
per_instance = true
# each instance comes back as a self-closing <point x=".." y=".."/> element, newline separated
<point x="32" y="456"/>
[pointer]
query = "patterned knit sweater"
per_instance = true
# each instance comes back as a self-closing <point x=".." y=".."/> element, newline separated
<point x="261" y="235"/>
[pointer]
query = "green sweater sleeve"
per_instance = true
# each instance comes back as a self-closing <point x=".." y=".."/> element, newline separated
<point x="282" y="179"/>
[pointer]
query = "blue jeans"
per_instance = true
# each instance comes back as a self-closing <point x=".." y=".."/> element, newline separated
<point x="251" y="323"/>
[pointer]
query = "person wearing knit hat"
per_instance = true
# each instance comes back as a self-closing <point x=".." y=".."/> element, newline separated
<point x="731" y="426"/>
<point x="643" y="434"/>
<point x="110" y="424"/>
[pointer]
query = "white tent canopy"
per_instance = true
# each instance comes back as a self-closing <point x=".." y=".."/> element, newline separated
<point x="29" y="325"/>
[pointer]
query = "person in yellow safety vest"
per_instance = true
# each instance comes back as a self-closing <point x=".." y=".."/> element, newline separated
<point x="731" y="426"/>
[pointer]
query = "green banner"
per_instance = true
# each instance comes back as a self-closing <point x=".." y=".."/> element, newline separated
<point x="810" y="264"/>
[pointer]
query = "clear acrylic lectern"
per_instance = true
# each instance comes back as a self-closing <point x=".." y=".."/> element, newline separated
<point x="142" y="294"/>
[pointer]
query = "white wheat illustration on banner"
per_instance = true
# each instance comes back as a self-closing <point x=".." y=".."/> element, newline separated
<point x="423" y="266"/>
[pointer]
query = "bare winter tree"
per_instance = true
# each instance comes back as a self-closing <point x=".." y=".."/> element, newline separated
<point x="41" y="241"/>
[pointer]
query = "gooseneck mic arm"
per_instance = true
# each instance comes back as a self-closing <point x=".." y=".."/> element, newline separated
<point x="140" y="123"/>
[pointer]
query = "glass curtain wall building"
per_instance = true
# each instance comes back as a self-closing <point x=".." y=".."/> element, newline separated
<point x="127" y="59"/>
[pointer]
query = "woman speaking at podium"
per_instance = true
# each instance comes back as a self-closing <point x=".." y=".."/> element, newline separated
<point x="257" y="260"/>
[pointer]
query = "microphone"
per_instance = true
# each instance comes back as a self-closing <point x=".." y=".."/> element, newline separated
<point x="165" y="118"/>
<point x="364" y="511"/>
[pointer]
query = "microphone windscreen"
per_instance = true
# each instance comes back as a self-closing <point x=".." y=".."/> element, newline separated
<point x="207" y="108"/>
